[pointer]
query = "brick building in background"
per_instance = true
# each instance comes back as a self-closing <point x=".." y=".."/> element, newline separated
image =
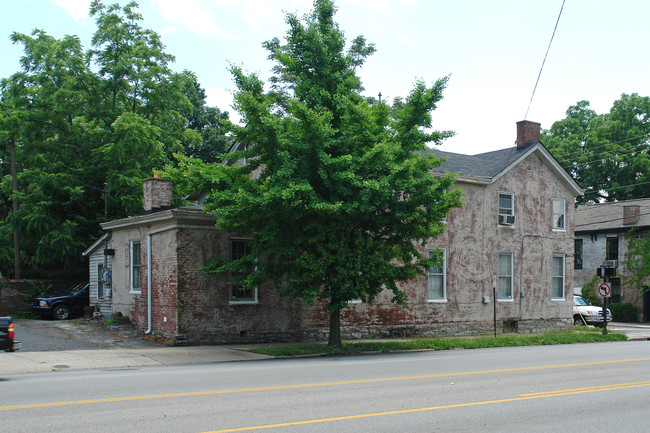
<point x="515" y="231"/>
<point x="601" y="234"/>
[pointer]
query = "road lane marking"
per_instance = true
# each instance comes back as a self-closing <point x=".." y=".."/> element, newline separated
<point x="449" y="406"/>
<point x="590" y="389"/>
<point x="310" y="385"/>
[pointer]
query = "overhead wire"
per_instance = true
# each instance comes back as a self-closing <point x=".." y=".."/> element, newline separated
<point x="619" y="187"/>
<point x="607" y="221"/>
<point x="544" y="61"/>
<point x="608" y="144"/>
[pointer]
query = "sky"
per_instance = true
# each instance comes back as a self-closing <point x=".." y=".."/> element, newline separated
<point x="492" y="51"/>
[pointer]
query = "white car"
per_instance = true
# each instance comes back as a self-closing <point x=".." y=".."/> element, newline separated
<point x="586" y="314"/>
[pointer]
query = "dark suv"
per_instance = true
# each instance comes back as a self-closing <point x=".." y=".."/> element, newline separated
<point x="64" y="305"/>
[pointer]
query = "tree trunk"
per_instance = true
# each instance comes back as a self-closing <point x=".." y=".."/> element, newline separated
<point x="335" y="329"/>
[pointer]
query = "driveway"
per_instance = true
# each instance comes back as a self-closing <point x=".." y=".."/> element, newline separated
<point x="79" y="334"/>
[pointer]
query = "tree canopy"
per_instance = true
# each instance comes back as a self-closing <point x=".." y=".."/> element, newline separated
<point x="638" y="261"/>
<point x="335" y="191"/>
<point x="608" y="154"/>
<point x="83" y="122"/>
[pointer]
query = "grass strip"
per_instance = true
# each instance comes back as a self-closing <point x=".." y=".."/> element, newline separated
<point x="579" y="335"/>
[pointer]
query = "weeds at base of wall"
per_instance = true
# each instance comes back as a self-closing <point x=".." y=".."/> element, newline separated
<point x="109" y="322"/>
<point x="159" y="340"/>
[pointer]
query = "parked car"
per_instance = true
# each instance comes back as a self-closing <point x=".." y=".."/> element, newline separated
<point x="65" y="305"/>
<point x="586" y="314"/>
<point x="8" y="335"/>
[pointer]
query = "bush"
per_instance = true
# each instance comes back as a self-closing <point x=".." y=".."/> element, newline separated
<point x="624" y="312"/>
<point x="589" y="290"/>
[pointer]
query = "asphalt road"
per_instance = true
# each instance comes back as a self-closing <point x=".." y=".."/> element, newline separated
<point x="594" y="387"/>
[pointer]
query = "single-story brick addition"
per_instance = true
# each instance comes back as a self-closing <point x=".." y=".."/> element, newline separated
<point x="513" y="237"/>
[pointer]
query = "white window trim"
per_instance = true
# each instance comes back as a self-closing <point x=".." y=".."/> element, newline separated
<point x="232" y="301"/>
<point x="563" y="257"/>
<point x="443" y="299"/>
<point x="558" y="229"/>
<point x="512" y="197"/>
<point x="132" y="289"/>
<point x="512" y="278"/>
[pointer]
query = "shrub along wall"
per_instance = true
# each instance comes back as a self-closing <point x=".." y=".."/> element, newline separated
<point x="624" y="312"/>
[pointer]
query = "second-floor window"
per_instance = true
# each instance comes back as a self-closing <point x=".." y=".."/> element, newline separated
<point x="506" y="208"/>
<point x="558" y="214"/>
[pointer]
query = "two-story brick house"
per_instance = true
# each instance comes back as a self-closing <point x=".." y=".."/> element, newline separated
<point x="513" y="238"/>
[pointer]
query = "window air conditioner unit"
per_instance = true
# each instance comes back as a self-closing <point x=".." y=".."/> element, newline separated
<point x="506" y="220"/>
<point x="610" y="264"/>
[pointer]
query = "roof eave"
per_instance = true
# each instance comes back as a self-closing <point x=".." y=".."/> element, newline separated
<point x="95" y="244"/>
<point x="460" y="177"/>
<point x="156" y="217"/>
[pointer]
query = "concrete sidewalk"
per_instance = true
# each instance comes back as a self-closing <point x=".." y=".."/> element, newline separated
<point x="32" y="361"/>
<point x="118" y="357"/>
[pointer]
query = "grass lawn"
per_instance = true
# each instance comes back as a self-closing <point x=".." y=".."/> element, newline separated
<point x="580" y="334"/>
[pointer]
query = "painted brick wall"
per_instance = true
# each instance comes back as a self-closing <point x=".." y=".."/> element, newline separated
<point x="205" y="311"/>
<point x="472" y="241"/>
<point x="123" y="299"/>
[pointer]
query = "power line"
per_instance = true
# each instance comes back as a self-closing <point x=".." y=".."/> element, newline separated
<point x="544" y="61"/>
<point x="591" y="149"/>
<point x="617" y="187"/>
<point x="604" y="160"/>
<point x="607" y="221"/>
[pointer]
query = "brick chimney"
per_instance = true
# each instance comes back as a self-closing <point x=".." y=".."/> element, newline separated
<point x="157" y="194"/>
<point x="631" y="215"/>
<point x="527" y="131"/>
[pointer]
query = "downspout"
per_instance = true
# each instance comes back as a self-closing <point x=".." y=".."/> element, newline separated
<point x="148" y="331"/>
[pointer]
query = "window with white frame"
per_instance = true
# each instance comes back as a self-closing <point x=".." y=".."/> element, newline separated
<point x="557" y="289"/>
<point x="506" y="208"/>
<point x="100" y="280"/>
<point x="558" y="214"/>
<point x="136" y="267"/>
<point x="437" y="285"/>
<point x="239" y="294"/>
<point x="504" y="289"/>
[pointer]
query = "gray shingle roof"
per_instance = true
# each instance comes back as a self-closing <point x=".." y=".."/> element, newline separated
<point x="487" y="165"/>
<point x="609" y="216"/>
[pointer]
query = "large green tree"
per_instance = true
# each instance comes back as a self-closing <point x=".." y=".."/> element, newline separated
<point x="335" y="191"/>
<point x="637" y="260"/>
<point x="608" y="154"/>
<point x="83" y="122"/>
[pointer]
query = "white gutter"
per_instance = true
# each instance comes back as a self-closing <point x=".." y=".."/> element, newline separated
<point x="148" y="331"/>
